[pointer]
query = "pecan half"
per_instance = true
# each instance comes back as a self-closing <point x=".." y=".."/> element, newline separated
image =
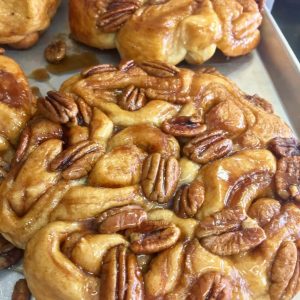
<point x="124" y="66"/>
<point x="260" y="102"/>
<point x="9" y="256"/>
<point x="261" y="179"/>
<point x="263" y="210"/>
<point x="189" y="199"/>
<point x="120" y="276"/>
<point x="283" y="269"/>
<point x="287" y="178"/>
<point x="157" y="2"/>
<point x="153" y="236"/>
<point x="84" y="115"/>
<point x="283" y="147"/>
<point x="293" y="286"/>
<point x="21" y="291"/>
<point x="132" y="98"/>
<point x="56" y="52"/>
<point x="77" y="160"/>
<point x="211" y="286"/>
<point x="230" y="243"/>
<point x="208" y="147"/>
<point x="5" y="245"/>
<point x="121" y="218"/>
<point x="226" y="220"/>
<point x="98" y="69"/>
<point x="35" y="133"/>
<point x="118" y="12"/>
<point x="58" y="107"/>
<point x="159" y="69"/>
<point x="184" y="126"/>
<point x="160" y="176"/>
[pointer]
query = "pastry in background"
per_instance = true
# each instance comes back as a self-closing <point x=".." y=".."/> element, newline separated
<point x="22" y="22"/>
<point x="167" y="30"/>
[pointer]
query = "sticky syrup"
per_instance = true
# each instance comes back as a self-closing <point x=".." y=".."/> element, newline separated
<point x="73" y="62"/>
<point x="40" y="75"/>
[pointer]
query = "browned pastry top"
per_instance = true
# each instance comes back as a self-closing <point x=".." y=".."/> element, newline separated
<point x="23" y="21"/>
<point x="156" y="182"/>
<point x="168" y="30"/>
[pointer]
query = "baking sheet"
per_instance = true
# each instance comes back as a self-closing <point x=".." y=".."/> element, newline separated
<point x="272" y="71"/>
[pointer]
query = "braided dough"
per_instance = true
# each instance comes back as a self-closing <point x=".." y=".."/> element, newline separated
<point x="155" y="182"/>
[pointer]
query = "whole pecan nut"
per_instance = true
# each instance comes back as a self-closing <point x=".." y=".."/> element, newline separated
<point x="98" y="69"/>
<point x="226" y="220"/>
<point x="21" y="290"/>
<point x="121" y="218"/>
<point x="208" y="147"/>
<point x="263" y="210"/>
<point x="189" y="199"/>
<point x="211" y="286"/>
<point x="77" y="160"/>
<point x="159" y="69"/>
<point x="120" y="276"/>
<point x="287" y="178"/>
<point x="283" y="269"/>
<point x="132" y="98"/>
<point x="185" y="126"/>
<point x="118" y="12"/>
<point x="153" y="236"/>
<point x="230" y="243"/>
<point x="58" y="107"/>
<point x="55" y="52"/>
<point x="283" y="147"/>
<point x="160" y="176"/>
<point x="84" y="115"/>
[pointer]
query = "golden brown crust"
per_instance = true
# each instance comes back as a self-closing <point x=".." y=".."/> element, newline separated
<point x="181" y="197"/>
<point x="23" y="22"/>
<point x="169" y="31"/>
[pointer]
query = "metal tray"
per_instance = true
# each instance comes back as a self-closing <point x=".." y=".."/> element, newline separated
<point x="272" y="71"/>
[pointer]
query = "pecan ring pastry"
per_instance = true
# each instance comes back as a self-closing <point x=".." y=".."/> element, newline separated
<point x="22" y="22"/>
<point x="17" y="105"/>
<point x="155" y="182"/>
<point x="168" y="30"/>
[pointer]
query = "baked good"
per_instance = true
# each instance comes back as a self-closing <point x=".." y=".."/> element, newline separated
<point x="22" y="22"/>
<point x="155" y="182"/>
<point x="167" y="30"/>
<point x="17" y="105"/>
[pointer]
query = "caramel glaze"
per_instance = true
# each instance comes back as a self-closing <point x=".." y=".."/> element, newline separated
<point x="11" y="92"/>
<point x="40" y="74"/>
<point x="73" y="62"/>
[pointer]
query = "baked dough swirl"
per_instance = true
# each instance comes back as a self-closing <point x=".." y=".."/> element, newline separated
<point x="155" y="182"/>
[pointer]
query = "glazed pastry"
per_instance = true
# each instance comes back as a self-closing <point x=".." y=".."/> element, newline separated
<point x="155" y="182"/>
<point x="17" y="104"/>
<point x="22" y="22"/>
<point x="167" y="30"/>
